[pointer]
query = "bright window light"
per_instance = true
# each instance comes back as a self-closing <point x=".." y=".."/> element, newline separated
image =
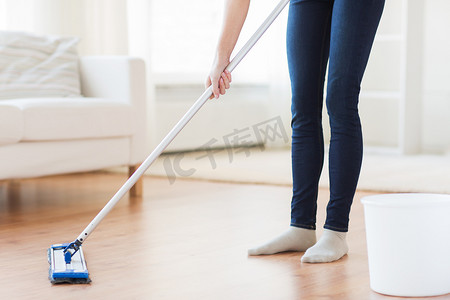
<point x="184" y="37"/>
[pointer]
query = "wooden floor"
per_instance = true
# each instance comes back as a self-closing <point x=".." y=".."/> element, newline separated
<point x="188" y="240"/>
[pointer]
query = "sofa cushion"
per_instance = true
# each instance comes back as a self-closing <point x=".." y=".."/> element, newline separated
<point x="38" y="66"/>
<point x="47" y="119"/>
<point x="11" y="124"/>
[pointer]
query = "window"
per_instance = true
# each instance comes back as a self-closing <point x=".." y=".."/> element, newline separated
<point x="184" y="37"/>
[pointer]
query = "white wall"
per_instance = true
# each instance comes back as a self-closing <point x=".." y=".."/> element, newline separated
<point x="436" y="94"/>
<point x="381" y="100"/>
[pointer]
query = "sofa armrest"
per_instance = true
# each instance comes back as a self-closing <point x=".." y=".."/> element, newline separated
<point x="121" y="79"/>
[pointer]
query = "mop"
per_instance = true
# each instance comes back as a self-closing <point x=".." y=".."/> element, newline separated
<point x="67" y="263"/>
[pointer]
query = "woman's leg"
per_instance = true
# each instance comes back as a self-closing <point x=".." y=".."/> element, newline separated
<point x="353" y="28"/>
<point x="308" y="41"/>
<point x="308" y="34"/>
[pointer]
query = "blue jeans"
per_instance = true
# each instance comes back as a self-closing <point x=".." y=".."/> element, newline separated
<point x="341" y="32"/>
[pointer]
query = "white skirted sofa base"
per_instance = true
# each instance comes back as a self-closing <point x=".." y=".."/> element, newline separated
<point x="105" y="128"/>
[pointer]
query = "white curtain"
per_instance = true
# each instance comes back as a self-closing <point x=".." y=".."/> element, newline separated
<point x="17" y="15"/>
<point x="101" y="24"/>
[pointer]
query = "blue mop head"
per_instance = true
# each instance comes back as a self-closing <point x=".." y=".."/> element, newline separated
<point x="75" y="271"/>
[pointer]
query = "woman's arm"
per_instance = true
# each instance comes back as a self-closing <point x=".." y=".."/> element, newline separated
<point x="234" y="18"/>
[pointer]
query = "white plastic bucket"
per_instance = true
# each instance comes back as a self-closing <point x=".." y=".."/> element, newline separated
<point x="408" y="243"/>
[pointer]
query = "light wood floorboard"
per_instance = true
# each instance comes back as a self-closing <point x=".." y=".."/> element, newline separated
<point x="188" y="240"/>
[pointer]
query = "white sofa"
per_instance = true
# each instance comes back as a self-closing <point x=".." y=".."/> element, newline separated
<point x="105" y="128"/>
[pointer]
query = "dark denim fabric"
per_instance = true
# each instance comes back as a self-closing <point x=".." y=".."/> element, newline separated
<point x="339" y="33"/>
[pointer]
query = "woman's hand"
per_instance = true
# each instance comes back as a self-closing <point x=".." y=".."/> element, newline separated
<point x="219" y="78"/>
<point x="234" y="18"/>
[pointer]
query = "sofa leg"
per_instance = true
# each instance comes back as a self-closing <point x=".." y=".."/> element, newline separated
<point x="137" y="189"/>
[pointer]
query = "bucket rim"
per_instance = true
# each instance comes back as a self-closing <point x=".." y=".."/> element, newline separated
<point x="405" y="200"/>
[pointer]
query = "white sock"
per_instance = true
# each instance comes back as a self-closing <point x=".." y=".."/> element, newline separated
<point x="330" y="247"/>
<point x="294" y="239"/>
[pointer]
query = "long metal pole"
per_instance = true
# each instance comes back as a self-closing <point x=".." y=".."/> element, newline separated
<point x="178" y="127"/>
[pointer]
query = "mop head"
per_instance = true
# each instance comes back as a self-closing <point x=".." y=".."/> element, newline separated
<point x="60" y="272"/>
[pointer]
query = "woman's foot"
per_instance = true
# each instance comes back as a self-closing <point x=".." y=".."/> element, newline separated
<point x="294" y="239"/>
<point x="330" y="247"/>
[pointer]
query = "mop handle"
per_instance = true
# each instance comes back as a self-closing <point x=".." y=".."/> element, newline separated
<point x="179" y="126"/>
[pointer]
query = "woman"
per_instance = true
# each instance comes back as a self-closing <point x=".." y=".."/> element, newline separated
<point x="340" y="33"/>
